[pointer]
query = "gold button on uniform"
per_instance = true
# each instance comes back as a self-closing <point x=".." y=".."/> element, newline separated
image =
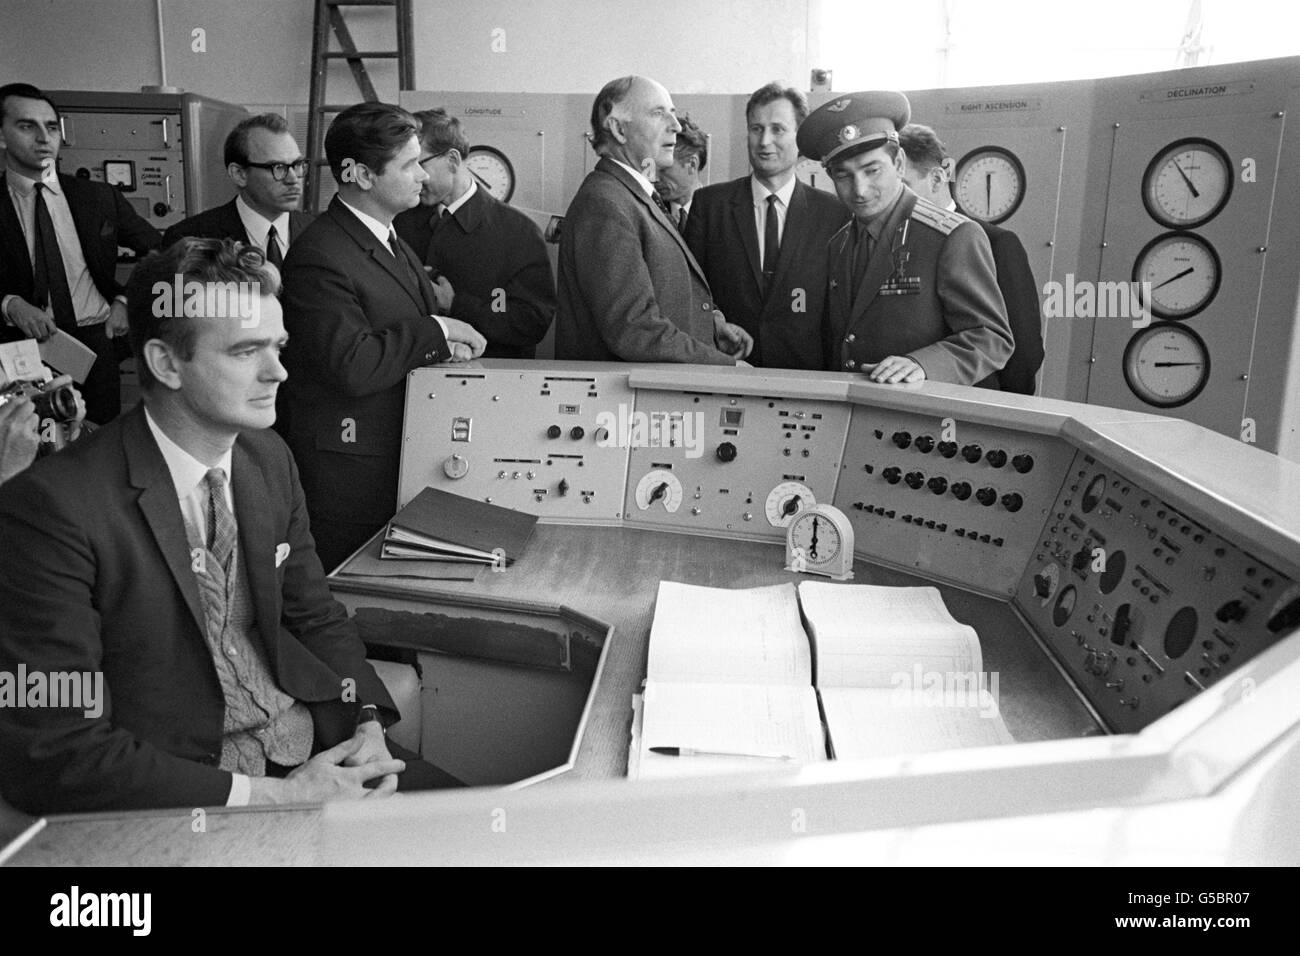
<point x="850" y="337"/>
<point x="850" y="364"/>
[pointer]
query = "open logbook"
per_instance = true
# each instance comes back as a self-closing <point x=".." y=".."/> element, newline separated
<point x="767" y="677"/>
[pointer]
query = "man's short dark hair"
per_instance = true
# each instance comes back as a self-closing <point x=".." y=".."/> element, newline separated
<point x="691" y="141"/>
<point x="924" y="149"/>
<point x="440" y="132"/>
<point x="891" y="149"/>
<point x="610" y="95"/>
<point x="199" y="260"/>
<point x="27" y="92"/>
<point x="774" y="91"/>
<point x="237" y="141"/>
<point x="369" y="134"/>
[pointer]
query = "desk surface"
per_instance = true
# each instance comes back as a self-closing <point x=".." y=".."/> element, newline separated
<point x="613" y="574"/>
<point x="607" y="573"/>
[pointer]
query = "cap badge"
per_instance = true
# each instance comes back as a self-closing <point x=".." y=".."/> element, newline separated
<point x="849" y="133"/>
<point x="839" y="106"/>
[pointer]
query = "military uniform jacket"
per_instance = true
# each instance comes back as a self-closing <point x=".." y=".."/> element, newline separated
<point x="929" y="292"/>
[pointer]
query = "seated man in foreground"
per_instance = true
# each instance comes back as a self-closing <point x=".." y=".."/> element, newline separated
<point x="162" y="575"/>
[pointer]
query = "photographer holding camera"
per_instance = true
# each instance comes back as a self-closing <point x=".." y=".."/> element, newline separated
<point x="19" y="437"/>
<point x="39" y="413"/>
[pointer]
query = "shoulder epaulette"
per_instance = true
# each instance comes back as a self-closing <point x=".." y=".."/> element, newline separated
<point x="938" y="219"/>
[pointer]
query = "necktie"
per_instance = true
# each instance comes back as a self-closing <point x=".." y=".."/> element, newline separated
<point x="273" y="249"/>
<point x="771" y="243"/>
<point x="659" y="201"/>
<point x="861" y="255"/>
<point x="221" y="522"/>
<point x="392" y="245"/>
<point x="50" y="281"/>
<point x="681" y="220"/>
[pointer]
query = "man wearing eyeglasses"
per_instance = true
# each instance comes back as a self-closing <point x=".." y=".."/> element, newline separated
<point x="268" y="167"/>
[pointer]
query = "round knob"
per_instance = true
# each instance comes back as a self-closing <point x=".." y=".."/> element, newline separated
<point x="996" y="457"/>
<point x="937" y="484"/>
<point x="456" y="466"/>
<point x="961" y="490"/>
<point x="601" y="435"/>
<point x="658" y="491"/>
<point x="1231" y="612"/>
<point x="902" y="439"/>
<point x="986" y="496"/>
<point x="924" y="444"/>
<point x="1081" y="559"/>
<point x="553" y="432"/>
<point x="892" y="474"/>
<point x="161" y="209"/>
<point x="972" y="453"/>
<point x="914" y="479"/>
<point x="1042" y="585"/>
<point x="947" y="448"/>
<point x="1012" y="501"/>
<point x="576" y="432"/>
<point x="1023" y="463"/>
<point x="726" y="451"/>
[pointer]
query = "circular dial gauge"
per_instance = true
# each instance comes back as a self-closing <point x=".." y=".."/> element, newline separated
<point x="990" y="183"/>
<point x="1092" y="495"/>
<point x="493" y="171"/>
<point x="1166" y="365"/>
<point x="819" y="540"/>
<point x="1064" y="607"/>
<point x="1181" y="272"/>
<point x="1187" y="183"/>
<point x="659" y="487"/>
<point x="784" y="502"/>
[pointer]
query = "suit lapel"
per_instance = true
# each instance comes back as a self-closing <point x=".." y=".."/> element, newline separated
<point x="147" y="471"/>
<point x="882" y="260"/>
<point x="742" y="214"/>
<point x="380" y="252"/>
<point x="231" y="224"/>
<point x="11" y="232"/>
<point x="257" y="543"/>
<point x="618" y="172"/>
<point x="87" y="222"/>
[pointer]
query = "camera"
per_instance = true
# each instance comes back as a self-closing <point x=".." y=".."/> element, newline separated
<point x="55" y="402"/>
<point x="23" y="375"/>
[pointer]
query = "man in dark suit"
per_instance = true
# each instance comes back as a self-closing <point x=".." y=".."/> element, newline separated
<point x="361" y="314"/>
<point x="58" y="246"/>
<point x="488" y="261"/>
<point x="912" y="293"/>
<point x="629" y="287"/>
<point x="267" y="166"/>
<point x="926" y="174"/>
<point x="761" y="239"/>
<point x="162" y="574"/>
<point x="678" y="183"/>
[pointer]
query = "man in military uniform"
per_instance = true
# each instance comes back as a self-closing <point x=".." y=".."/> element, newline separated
<point x="912" y="293"/>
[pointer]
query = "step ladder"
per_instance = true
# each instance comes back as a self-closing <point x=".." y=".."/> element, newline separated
<point x="330" y="20"/>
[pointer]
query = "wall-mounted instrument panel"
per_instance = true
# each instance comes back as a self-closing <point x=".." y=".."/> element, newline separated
<point x="162" y="150"/>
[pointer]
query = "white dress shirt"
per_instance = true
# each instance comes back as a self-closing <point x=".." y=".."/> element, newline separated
<point x="760" y="194"/>
<point x="258" y="227"/>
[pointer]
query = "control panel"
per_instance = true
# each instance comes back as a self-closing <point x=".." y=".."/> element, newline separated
<point x="542" y="440"/>
<point x="943" y="496"/>
<point x="1143" y="605"/>
<point x="139" y="153"/>
<point x="735" y="465"/>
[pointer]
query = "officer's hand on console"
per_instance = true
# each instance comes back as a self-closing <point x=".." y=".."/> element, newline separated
<point x="895" y="370"/>
<point x="465" y="334"/>
<point x="324" y="778"/>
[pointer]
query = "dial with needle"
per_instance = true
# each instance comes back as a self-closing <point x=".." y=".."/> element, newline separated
<point x="1186" y="272"/>
<point x="812" y="551"/>
<point x="1196" y="193"/>
<point x="1172" y="364"/>
<point x="988" y="193"/>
